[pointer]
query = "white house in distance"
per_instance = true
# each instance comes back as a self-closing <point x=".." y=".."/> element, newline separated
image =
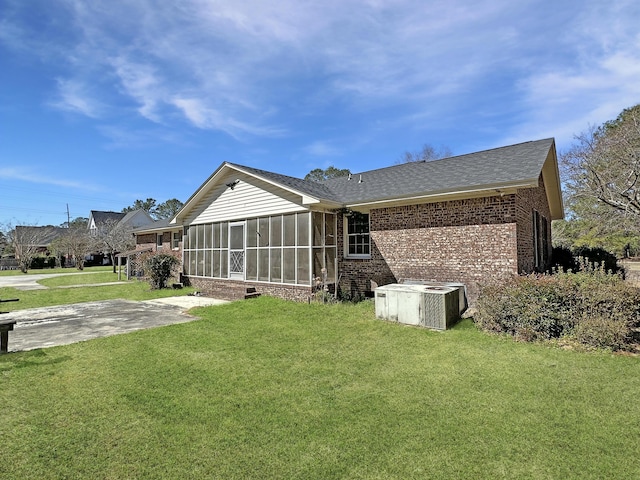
<point x="135" y="219"/>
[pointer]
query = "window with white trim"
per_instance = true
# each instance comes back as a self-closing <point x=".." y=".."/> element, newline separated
<point x="358" y="240"/>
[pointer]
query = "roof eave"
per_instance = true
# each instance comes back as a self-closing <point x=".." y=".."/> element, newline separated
<point x="162" y="228"/>
<point x="551" y="179"/>
<point x="430" y="197"/>
<point x="306" y="199"/>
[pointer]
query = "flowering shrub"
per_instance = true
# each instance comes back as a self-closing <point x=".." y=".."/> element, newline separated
<point x="592" y="307"/>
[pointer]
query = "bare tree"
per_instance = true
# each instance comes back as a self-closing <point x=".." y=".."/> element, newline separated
<point x="29" y="240"/>
<point x="77" y="242"/>
<point x="603" y="171"/>
<point x="114" y="237"/>
<point x="426" y="154"/>
<point x="604" y="165"/>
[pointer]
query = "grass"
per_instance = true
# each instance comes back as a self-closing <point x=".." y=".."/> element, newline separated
<point x="273" y="389"/>
<point x="56" y="295"/>
<point x="48" y="271"/>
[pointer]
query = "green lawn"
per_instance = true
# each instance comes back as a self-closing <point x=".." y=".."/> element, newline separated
<point x="46" y="271"/>
<point x="58" y="294"/>
<point x="272" y="389"/>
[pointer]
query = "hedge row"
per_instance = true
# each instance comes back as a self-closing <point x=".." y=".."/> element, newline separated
<point x="592" y="307"/>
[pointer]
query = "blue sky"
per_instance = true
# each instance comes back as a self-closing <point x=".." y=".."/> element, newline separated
<point x="102" y="103"/>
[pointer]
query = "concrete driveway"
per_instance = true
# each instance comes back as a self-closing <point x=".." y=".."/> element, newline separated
<point x="62" y="325"/>
<point x="30" y="282"/>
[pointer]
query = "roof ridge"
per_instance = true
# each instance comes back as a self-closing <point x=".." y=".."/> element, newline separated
<point x="443" y="159"/>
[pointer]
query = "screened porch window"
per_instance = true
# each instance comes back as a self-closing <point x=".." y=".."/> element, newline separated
<point x="291" y="248"/>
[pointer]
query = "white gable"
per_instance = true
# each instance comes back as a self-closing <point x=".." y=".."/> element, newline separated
<point x="248" y="198"/>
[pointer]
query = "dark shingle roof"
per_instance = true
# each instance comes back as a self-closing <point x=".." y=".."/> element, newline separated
<point x="521" y="163"/>
<point x="100" y="217"/>
<point x="39" y="236"/>
<point x="314" y="189"/>
<point x="500" y="166"/>
<point x="161" y="224"/>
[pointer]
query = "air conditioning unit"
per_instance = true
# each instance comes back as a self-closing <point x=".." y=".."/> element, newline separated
<point x="430" y="306"/>
<point x="462" y="290"/>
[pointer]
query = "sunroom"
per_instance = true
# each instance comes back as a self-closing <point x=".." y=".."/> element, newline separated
<point x="289" y="249"/>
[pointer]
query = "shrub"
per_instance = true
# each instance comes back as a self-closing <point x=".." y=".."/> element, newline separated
<point x="602" y="331"/>
<point x="591" y="306"/>
<point x="562" y="258"/>
<point x="159" y="268"/>
<point x="598" y="258"/>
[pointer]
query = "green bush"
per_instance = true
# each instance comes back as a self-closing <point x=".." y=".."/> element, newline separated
<point x="38" y="263"/>
<point x="592" y="307"/>
<point x="597" y="257"/>
<point x="562" y="259"/>
<point x="159" y="268"/>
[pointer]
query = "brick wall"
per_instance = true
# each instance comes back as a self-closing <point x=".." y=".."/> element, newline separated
<point x="469" y="241"/>
<point x="528" y="200"/>
<point x="235" y="290"/>
<point x="148" y="241"/>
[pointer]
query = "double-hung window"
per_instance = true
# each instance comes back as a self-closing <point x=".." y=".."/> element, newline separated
<point x="358" y="239"/>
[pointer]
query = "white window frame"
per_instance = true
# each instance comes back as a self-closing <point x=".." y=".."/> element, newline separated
<point x="159" y="239"/>
<point x="346" y="235"/>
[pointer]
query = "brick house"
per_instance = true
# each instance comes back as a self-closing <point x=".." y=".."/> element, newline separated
<point x="465" y="219"/>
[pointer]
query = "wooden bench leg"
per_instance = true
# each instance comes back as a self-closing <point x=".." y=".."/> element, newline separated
<point x="4" y="342"/>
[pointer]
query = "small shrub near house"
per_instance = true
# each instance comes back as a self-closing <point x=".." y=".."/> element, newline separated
<point x="592" y="307"/>
<point x="159" y="268"/>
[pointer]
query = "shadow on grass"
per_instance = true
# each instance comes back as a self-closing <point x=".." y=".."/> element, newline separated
<point x="33" y="358"/>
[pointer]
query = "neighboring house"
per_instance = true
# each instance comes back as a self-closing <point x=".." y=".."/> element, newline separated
<point x="470" y="219"/>
<point x="100" y="219"/>
<point x="134" y="219"/>
<point x="31" y="241"/>
<point x="38" y="239"/>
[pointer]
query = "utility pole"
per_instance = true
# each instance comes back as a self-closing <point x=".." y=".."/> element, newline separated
<point x="68" y="217"/>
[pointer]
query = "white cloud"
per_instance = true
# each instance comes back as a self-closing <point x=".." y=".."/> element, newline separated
<point x="321" y="148"/>
<point x="26" y="175"/>
<point x="255" y="68"/>
<point x="562" y="99"/>
<point x="73" y="96"/>
<point x="140" y="82"/>
<point x="206" y="117"/>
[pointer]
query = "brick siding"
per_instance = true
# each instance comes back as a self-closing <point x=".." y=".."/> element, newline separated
<point x="471" y="241"/>
<point x="236" y="290"/>
<point x="527" y="201"/>
<point x="149" y="241"/>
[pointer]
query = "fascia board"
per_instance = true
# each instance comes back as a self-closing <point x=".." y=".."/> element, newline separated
<point x="484" y="191"/>
<point x="212" y="180"/>
<point x="193" y="199"/>
<point x="166" y="228"/>
<point x="306" y="198"/>
<point x="551" y="178"/>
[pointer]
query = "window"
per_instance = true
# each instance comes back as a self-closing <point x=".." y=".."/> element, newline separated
<point x="540" y="242"/>
<point x="159" y="240"/>
<point x="358" y="240"/>
<point x="291" y="248"/>
<point x="175" y="243"/>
